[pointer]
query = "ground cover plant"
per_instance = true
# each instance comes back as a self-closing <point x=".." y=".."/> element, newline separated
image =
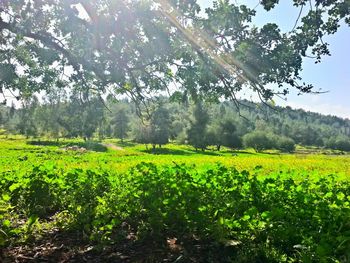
<point x="19" y="154"/>
<point x="170" y="207"/>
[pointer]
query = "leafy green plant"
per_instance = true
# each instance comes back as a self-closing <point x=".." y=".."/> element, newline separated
<point x="252" y="218"/>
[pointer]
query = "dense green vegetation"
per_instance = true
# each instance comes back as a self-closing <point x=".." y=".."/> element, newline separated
<point x="137" y="48"/>
<point x="18" y="155"/>
<point x="197" y="124"/>
<point x="274" y="208"/>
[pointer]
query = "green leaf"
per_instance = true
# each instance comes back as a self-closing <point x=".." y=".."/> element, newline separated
<point x="13" y="187"/>
<point x="6" y="223"/>
<point x="6" y="197"/>
<point x="341" y="196"/>
<point x="245" y="217"/>
<point x="266" y="214"/>
<point x="31" y="220"/>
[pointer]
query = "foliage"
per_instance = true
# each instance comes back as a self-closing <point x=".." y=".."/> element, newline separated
<point x="341" y="143"/>
<point x="82" y="117"/>
<point x="223" y="133"/>
<point x="258" y="140"/>
<point x="197" y="132"/>
<point x="271" y="219"/>
<point x="172" y="121"/>
<point x="160" y="126"/>
<point x="120" y="123"/>
<point x="147" y="46"/>
<point x="141" y="133"/>
<point x="285" y="144"/>
<point x="26" y="124"/>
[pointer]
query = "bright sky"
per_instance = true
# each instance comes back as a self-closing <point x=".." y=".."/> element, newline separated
<point x="332" y="74"/>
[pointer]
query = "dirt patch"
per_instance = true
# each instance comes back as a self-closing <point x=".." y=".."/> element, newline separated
<point x="113" y="147"/>
<point x="75" y="148"/>
<point x="64" y="247"/>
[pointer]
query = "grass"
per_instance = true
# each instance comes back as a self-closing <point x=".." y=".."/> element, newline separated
<point x="18" y="154"/>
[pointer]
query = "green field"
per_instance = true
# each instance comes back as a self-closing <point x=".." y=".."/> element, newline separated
<point x="121" y="199"/>
<point x="19" y="155"/>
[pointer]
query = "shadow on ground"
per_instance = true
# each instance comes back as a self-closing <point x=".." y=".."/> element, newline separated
<point x="167" y="151"/>
<point x="59" y="247"/>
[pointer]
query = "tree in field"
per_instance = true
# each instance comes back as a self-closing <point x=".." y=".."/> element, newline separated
<point x="178" y="130"/>
<point x="156" y="130"/>
<point x="341" y="143"/>
<point x="120" y="122"/>
<point x="197" y="132"/>
<point x="71" y="118"/>
<point x="258" y="140"/>
<point x="285" y="144"/>
<point x="230" y="137"/>
<point x="179" y="115"/>
<point x="50" y="112"/>
<point x="141" y="133"/>
<point x="93" y="116"/>
<point x="306" y="135"/>
<point x="104" y="129"/>
<point x="138" y="47"/>
<point x="223" y="133"/>
<point x="160" y="126"/>
<point x="81" y="118"/>
<point x="26" y="123"/>
<point x="3" y="112"/>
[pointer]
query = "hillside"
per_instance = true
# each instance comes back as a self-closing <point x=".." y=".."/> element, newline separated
<point x="71" y="118"/>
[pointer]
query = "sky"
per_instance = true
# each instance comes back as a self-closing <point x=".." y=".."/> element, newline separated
<point x="332" y="74"/>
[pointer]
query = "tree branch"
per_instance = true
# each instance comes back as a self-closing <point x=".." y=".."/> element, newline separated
<point x="53" y="43"/>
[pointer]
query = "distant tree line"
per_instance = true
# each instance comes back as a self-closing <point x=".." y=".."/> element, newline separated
<point x="198" y="124"/>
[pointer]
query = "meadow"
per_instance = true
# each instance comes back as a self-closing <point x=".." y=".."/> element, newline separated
<point x="117" y="201"/>
<point x="18" y="155"/>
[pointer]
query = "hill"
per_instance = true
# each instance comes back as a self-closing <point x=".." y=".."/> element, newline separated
<point x="162" y="120"/>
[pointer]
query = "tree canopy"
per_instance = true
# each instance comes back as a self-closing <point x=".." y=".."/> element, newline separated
<point x="140" y="47"/>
